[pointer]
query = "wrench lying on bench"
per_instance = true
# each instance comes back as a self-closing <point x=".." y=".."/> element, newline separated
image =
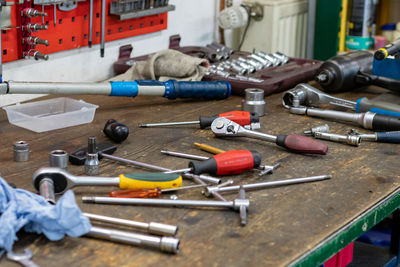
<point x="292" y="142"/>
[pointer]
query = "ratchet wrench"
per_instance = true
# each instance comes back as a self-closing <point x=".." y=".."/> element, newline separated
<point x="306" y="95"/>
<point x="293" y="142"/>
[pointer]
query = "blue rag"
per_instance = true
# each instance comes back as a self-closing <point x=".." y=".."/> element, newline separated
<point x="20" y="208"/>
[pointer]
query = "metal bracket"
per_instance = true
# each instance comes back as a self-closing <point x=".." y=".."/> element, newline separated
<point x="256" y="12"/>
<point x="67" y="6"/>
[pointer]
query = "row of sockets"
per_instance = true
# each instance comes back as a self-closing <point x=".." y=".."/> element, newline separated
<point x="32" y="40"/>
<point x="243" y="66"/>
<point x="125" y="6"/>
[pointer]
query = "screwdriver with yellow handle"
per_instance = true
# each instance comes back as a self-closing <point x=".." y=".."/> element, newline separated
<point x="150" y="193"/>
<point x="61" y="180"/>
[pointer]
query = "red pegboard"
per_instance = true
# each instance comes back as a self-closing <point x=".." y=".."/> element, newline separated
<point x="72" y="29"/>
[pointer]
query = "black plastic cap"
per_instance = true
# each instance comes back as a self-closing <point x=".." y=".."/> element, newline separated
<point x="379" y="55"/>
<point x="206" y="121"/>
<point x="385" y="123"/>
<point x="207" y="166"/>
<point x="254" y="117"/>
<point x="256" y="158"/>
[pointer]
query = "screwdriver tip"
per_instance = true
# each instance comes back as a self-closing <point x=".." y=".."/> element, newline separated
<point x="142" y="125"/>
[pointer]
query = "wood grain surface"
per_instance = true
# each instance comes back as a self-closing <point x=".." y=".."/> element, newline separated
<point x="283" y="222"/>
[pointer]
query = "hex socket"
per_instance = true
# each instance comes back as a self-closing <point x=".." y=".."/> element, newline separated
<point x="254" y="101"/>
<point x="21" y="151"/>
<point x="59" y="159"/>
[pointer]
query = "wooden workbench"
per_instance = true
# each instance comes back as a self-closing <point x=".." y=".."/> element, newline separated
<point x="301" y="224"/>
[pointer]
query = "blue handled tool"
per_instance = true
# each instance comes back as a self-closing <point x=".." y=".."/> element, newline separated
<point x="383" y="137"/>
<point x="306" y="95"/>
<point x="170" y="89"/>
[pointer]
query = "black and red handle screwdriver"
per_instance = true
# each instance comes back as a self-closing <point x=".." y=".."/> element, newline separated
<point x="242" y="118"/>
<point x="227" y="163"/>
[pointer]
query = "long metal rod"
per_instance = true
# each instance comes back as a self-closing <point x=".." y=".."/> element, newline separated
<point x="183" y="188"/>
<point x="158" y="202"/>
<point x="55" y="15"/>
<point x="103" y="27"/>
<point x="273" y="184"/>
<point x="205" y="178"/>
<point x="168" y="123"/>
<point x="180" y="170"/>
<point x="183" y="155"/>
<point x="90" y="22"/>
<point x="152" y="227"/>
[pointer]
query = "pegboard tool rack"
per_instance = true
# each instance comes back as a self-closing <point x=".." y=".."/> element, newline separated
<point x="70" y="29"/>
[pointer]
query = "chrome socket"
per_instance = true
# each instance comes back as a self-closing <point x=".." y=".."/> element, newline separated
<point x="58" y="158"/>
<point x="92" y="158"/>
<point x="318" y="129"/>
<point x="46" y="190"/>
<point x="21" y="151"/>
<point x="254" y="101"/>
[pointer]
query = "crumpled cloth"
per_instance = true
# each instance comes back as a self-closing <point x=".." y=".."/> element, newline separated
<point x="20" y="208"/>
<point x="166" y="65"/>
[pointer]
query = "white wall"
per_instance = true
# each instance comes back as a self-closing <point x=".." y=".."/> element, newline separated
<point x="194" y="20"/>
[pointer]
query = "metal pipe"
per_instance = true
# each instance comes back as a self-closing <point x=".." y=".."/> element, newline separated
<point x="152" y="227"/>
<point x="165" y="244"/>
<point x="168" y="123"/>
<point x="90" y="23"/>
<point x="58" y="88"/>
<point x="103" y="27"/>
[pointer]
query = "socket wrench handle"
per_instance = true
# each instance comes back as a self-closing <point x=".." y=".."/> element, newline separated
<point x="301" y="144"/>
<point x="379" y="107"/>
<point x="388" y="137"/>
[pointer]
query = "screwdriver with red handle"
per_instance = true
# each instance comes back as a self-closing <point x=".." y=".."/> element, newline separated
<point x="243" y="118"/>
<point x="227" y="163"/>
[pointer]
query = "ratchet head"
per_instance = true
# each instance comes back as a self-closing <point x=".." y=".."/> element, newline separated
<point x="224" y="127"/>
<point x="60" y="177"/>
<point x="304" y="95"/>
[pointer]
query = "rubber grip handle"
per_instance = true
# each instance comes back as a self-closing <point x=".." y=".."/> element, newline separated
<point x="388" y="137"/>
<point x="379" y="107"/>
<point x="206" y="121"/>
<point x="385" y="123"/>
<point x="301" y="144"/>
<point x="241" y="117"/>
<point x="150" y="180"/>
<point x="208" y="90"/>
<point x="227" y="163"/>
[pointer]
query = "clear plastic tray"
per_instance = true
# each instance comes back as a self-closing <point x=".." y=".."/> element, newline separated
<point x="46" y="115"/>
